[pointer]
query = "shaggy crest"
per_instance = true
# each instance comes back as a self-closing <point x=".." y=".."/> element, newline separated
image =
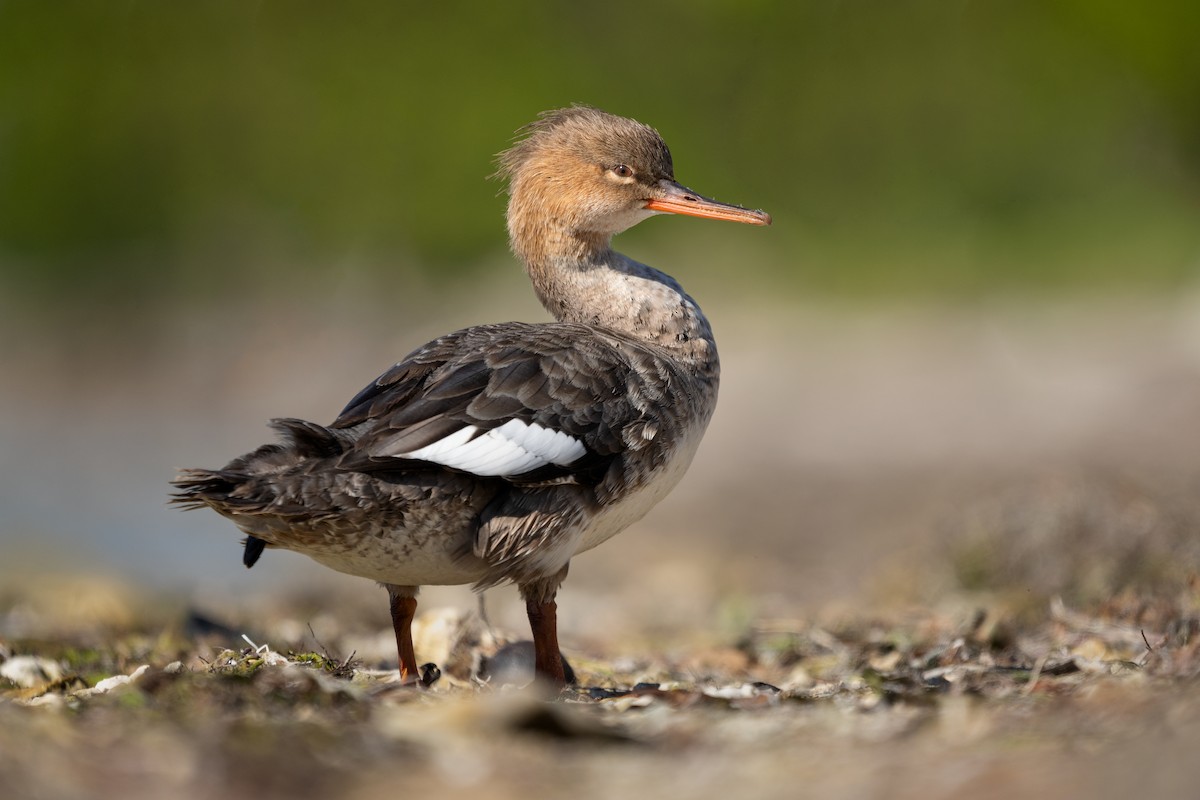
<point x="591" y="135"/>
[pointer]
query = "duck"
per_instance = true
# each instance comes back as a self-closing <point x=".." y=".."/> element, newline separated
<point x="497" y="453"/>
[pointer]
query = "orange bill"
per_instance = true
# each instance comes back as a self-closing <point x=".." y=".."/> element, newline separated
<point x="675" y="199"/>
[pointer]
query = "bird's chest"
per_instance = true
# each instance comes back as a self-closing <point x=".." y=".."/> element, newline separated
<point x="647" y="486"/>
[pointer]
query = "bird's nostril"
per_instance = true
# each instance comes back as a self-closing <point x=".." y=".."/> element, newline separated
<point x="691" y="198"/>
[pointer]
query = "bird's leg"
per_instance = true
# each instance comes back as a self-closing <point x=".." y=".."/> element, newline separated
<point x="404" y="608"/>
<point x="543" y="622"/>
<point x="547" y="661"/>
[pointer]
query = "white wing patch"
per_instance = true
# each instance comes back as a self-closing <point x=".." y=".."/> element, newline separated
<point x="511" y="449"/>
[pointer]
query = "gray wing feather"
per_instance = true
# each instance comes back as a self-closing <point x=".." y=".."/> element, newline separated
<point x="562" y="377"/>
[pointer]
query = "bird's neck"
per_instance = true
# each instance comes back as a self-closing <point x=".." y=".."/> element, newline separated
<point x="580" y="278"/>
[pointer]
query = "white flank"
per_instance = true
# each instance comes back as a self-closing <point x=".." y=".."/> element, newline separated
<point x="512" y="449"/>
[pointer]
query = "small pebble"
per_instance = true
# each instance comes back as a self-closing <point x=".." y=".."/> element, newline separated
<point x="512" y="665"/>
<point x="108" y="684"/>
<point x="30" y="671"/>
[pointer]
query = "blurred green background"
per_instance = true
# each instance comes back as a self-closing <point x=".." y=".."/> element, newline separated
<point x="982" y="285"/>
<point x="175" y="150"/>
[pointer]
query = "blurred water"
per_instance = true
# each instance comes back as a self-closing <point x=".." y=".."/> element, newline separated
<point x="838" y="435"/>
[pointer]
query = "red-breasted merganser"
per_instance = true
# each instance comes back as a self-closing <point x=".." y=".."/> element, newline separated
<point x="498" y="452"/>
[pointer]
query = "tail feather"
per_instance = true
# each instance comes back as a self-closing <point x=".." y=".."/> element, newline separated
<point x="255" y="487"/>
<point x="197" y="487"/>
<point x="308" y="439"/>
<point x="254" y="548"/>
<point x="246" y="484"/>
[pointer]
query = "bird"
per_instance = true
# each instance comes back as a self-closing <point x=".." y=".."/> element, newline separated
<point x="497" y="453"/>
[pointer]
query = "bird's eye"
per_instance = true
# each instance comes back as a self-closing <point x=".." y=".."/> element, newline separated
<point x="622" y="171"/>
